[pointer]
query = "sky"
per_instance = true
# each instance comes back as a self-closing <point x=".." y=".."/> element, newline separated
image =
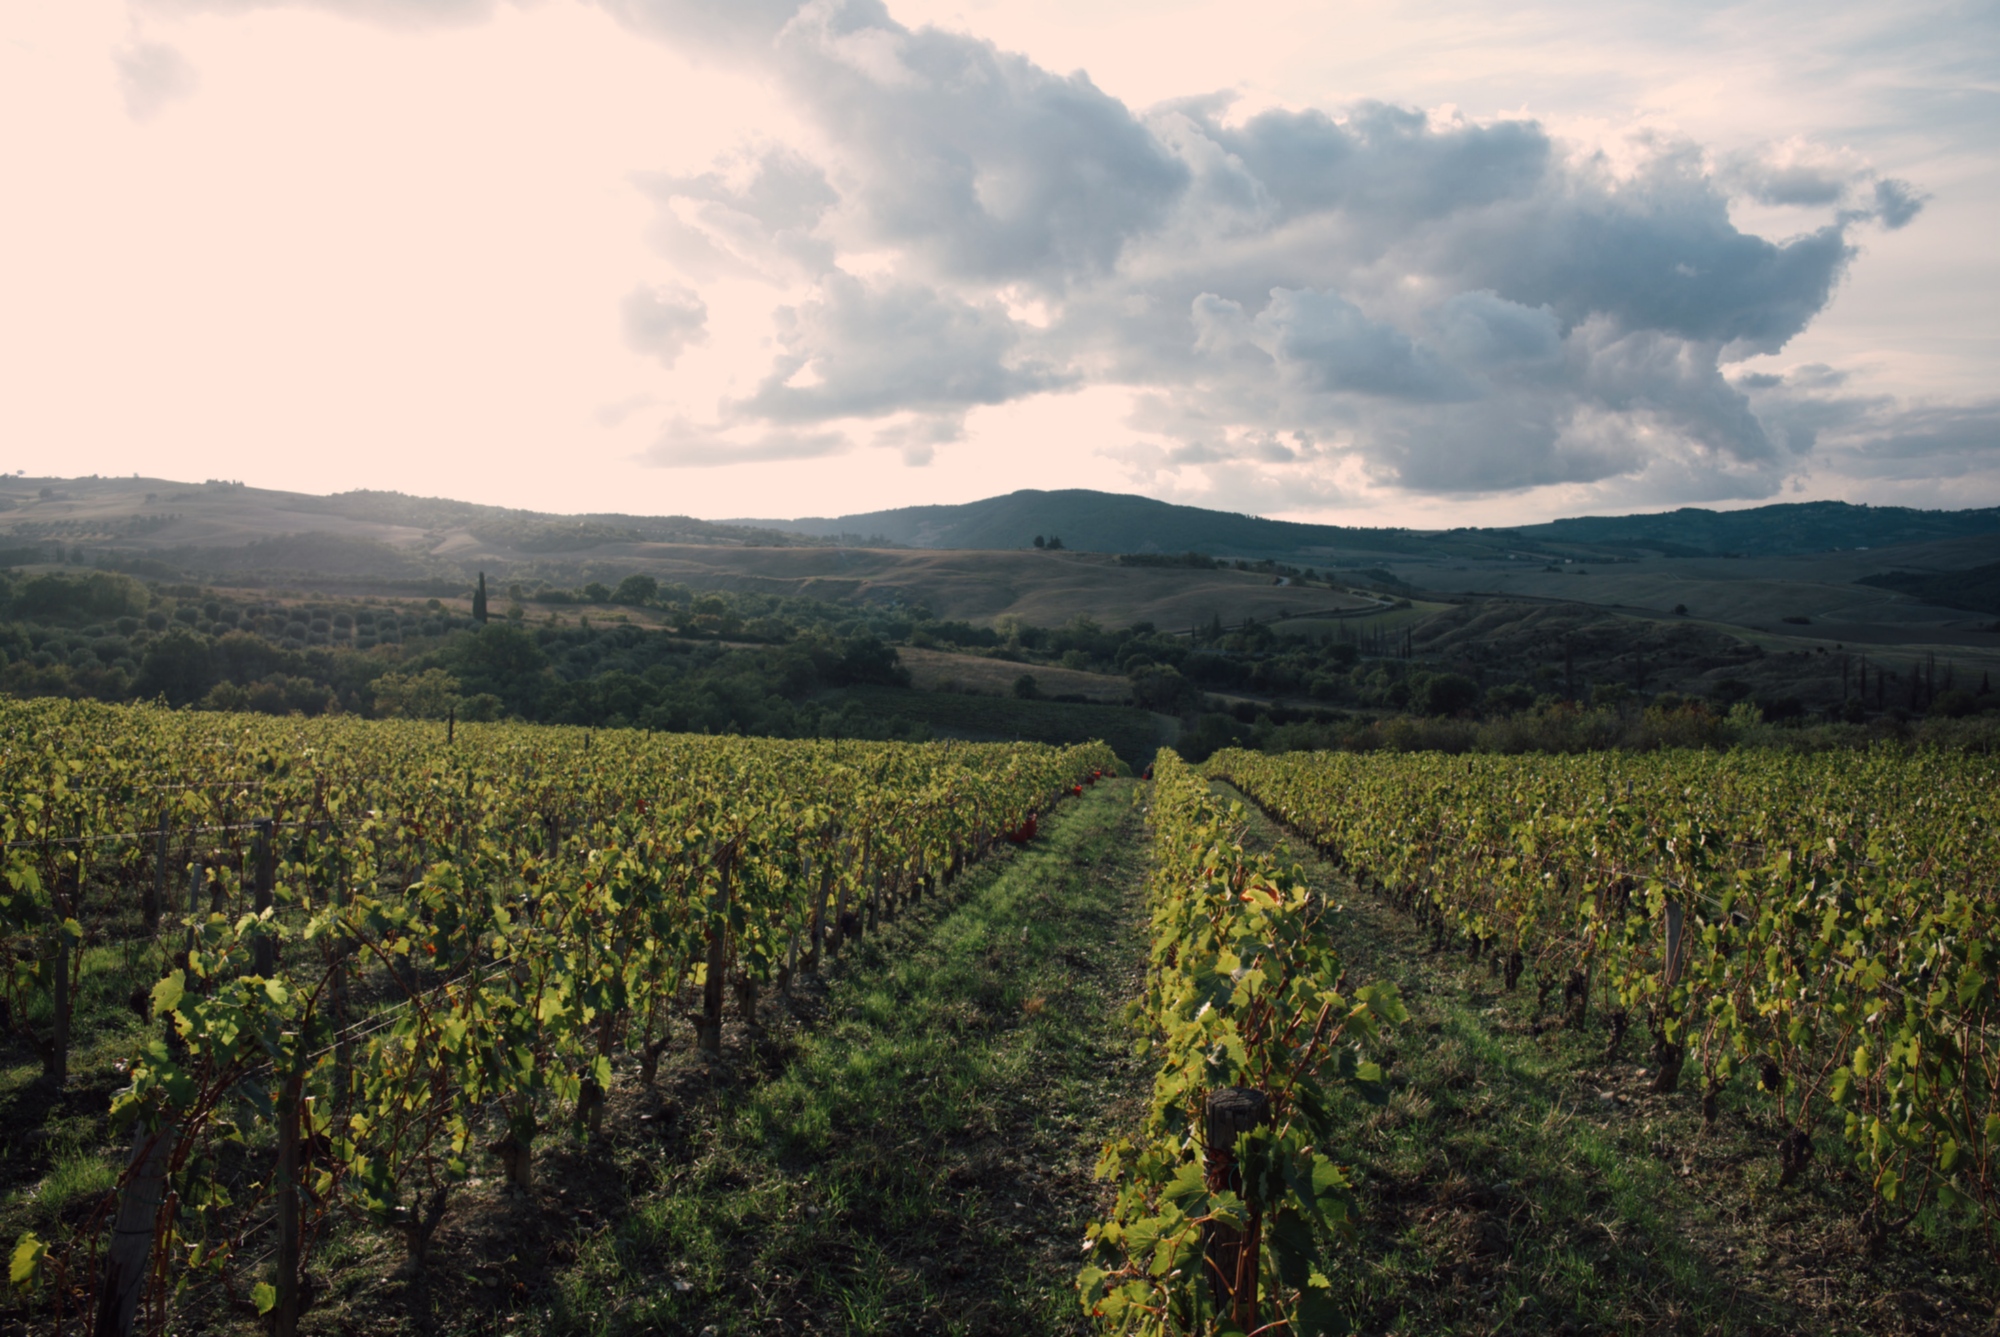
<point x="1374" y="263"/>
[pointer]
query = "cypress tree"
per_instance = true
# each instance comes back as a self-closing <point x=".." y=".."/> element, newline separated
<point x="479" y="600"/>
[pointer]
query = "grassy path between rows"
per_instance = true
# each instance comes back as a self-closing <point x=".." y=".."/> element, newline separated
<point x="907" y="1150"/>
<point x="1522" y="1181"/>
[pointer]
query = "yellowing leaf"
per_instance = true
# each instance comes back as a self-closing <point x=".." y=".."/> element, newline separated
<point x="27" y="1262"/>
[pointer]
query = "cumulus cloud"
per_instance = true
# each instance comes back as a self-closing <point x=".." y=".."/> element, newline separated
<point x="661" y="322"/>
<point x="861" y="349"/>
<point x="755" y="215"/>
<point x="978" y="161"/>
<point x="1876" y="436"/>
<point x="1795" y="172"/>
<point x="1321" y="299"/>
<point x="1897" y="202"/>
<point x="918" y="437"/>
<point x="152" y="75"/>
<point x="390" y="13"/>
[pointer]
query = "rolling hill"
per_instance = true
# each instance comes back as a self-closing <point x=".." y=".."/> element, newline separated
<point x="1823" y="573"/>
<point x="1112" y="522"/>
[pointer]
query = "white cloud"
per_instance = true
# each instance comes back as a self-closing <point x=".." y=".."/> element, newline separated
<point x="661" y="322"/>
<point x="1325" y="299"/>
<point x="394" y="13"/>
<point x="874" y="349"/>
<point x="151" y="76"/>
<point x="686" y="445"/>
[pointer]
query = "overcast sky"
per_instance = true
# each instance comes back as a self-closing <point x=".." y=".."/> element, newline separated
<point x="1379" y="263"/>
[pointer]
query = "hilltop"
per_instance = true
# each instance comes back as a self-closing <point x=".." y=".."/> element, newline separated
<point x="1113" y="522"/>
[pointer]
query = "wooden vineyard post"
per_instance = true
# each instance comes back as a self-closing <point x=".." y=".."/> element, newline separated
<point x="337" y="949"/>
<point x="1676" y="921"/>
<point x="818" y="933"/>
<point x="717" y="967"/>
<point x="55" y="1065"/>
<point x="838" y="938"/>
<point x="1668" y="1056"/>
<point x="128" y="1259"/>
<point x="285" y="1316"/>
<point x="156" y="895"/>
<point x="68" y="966"/>
<point x="194" y="908"/>
<point x="1230" y="1256"/>
<point x="266" y="955"/>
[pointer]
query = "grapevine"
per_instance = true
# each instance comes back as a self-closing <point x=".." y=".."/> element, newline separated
<point x="384" y="950"/>
<point x="1223" y="1202"/>
<point x="1823" y="930"/>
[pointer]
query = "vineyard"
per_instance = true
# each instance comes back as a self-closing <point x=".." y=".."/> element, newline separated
<point x="1226" y="1205"/>
<point x="1825" y="933"/>
<point x="369" y="955"/>
<point x="323" y="978"/>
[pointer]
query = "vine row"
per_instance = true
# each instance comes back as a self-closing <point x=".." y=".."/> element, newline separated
<point x="1823" y="929"/>
<point x="1226" y="1197"/>
<point x="383" y="950"/>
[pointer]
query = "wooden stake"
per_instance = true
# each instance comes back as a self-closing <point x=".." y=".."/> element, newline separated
<point x="817" y="934"/>
<point x="55" y="1065"/>
<point x="149" y="904"/>
<point x="1229" y="1256"/>
<point x="265" y="954"/>
<point x="718" y="966"/>
<point x="285" y="1317"/>
<point x="129" y="1257"/>
<point x="1676" y="919"/>
<point x="194" y="908"/>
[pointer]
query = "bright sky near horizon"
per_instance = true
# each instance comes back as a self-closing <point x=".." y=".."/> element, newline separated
<point x="1379" y="263"/>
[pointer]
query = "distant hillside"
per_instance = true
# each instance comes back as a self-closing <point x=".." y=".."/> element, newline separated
<point x="1771" y="569"/>
<point x="163" y="529"/>
<point x="1768" y="531"/>
<point x="1098" y="522"/>
<point x="1111" y="522"/>
<point x="1977" y="589"/>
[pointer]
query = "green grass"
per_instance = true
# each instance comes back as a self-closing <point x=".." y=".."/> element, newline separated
<point x="909" y="1153"/>
<point x="907" y="1149"/>
<point x="1520" y="1181"/>
<point x="57" y="1156"/>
